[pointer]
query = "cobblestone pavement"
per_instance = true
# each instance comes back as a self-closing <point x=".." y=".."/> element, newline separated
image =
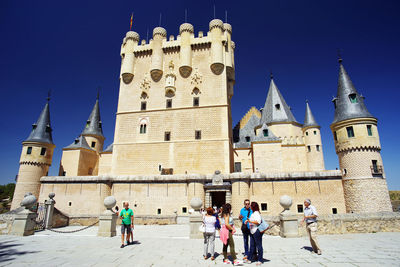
<point x="170" y="246"/>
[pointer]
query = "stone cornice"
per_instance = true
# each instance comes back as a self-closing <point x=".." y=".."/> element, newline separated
<point x="200" y="178"/>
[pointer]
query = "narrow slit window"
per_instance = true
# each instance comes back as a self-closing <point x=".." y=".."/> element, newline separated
<point x="318" y="148"/>
<point x="197" y="135"/>
<point x="29" y="150"/>
<point x="278" y="106"/>
<point x="309" y="148"/>
<point x="247" y="138"/>
<point x="158" y="211"/>
<point x="265" y="132"/>
<point x="43" y="151"/>
<point x="184" y="209"/>
<point x="315" y="132"/>
<point x="353" y="98"/>
<point x="350" y="131"/>
<point x="335" y="135"/>
<point x="169" y="103"/>
<point x="307" y="133"/>
<point x="143" y="105"/>
<point x="167" y="136"/>
<point x="93" y="144"/>
<point x="369" y="130"/>
<point x="334" y="210"/>
<point x="143" y="128"/>
<point x="196" y="101"/>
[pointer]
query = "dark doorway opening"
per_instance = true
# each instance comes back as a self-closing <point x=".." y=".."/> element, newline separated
<point x="218" y="199"/>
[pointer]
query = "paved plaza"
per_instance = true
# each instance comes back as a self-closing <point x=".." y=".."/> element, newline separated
<point x="170" y="246"/>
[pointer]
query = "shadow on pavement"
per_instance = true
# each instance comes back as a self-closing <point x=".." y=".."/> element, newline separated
<point x="307" y="248"/>
<point x="9" y="250"/>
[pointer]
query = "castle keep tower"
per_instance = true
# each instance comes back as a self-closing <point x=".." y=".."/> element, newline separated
<point x="312" y="140"/>
<point x="36" y="158"/>
<point x="358" y="148"/>
<point x="174" y="112"/>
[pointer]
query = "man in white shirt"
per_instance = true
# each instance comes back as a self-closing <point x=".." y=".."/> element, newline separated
<point x="310" y="217"/>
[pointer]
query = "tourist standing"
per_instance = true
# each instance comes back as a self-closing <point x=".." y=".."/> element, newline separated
<point x="209" y="235"/>
<point x="255" y="234"/>
<point x="310" y="217"/>
<point x="226" y="234"/>
<point x="245" y="214"/>
<point x="126" y="216"/>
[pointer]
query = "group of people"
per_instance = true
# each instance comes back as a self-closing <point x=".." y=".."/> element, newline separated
<point x="252" y="228"/>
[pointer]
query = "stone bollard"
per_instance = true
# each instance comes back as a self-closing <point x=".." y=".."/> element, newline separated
<point x="289" y="225"/>
<point x="49" y="211"/>
<point x="24" y="221"/>
<point x="196" y="218"/>
<point x="108" y="220"/>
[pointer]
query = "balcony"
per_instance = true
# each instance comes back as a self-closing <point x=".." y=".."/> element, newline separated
<point x="376" y="169"/>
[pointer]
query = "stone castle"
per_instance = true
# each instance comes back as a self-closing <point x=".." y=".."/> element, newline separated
<point x="174" y="140"/>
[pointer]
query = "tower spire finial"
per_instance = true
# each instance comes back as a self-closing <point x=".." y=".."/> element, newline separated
<point x="185" y="15"/>
<point x="339" y="56"/>
<point x="159" y="24"/>
<point x="98" y="92"/>
<point x="48" y="95"/>
<point x="214" y="10"/>
<point x="271" y="75"/>
<point x="226" y="16"/>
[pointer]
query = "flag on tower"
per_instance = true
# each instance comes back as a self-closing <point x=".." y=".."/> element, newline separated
<point x="130" y="28"/>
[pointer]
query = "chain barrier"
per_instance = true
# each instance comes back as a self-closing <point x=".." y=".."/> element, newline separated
<point x="73" y="231"/>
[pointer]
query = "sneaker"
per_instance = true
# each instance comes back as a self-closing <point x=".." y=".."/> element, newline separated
<point x="122" y="246"/>
<point x="226" y="261"/>
<point x="212" y="258"/>
<point x="319" y="252"/>
<point x="237" y="263"/>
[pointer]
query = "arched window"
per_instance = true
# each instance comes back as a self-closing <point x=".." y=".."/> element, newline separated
<point x="143" y="126"/>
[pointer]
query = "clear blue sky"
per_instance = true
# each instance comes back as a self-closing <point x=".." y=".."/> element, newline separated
<point x="72" y="47"/>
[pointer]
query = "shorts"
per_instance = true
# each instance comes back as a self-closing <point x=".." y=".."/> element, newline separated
<point x="127" y="227"/>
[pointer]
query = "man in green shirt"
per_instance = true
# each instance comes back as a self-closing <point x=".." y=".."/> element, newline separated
<point x="126" y="216"/>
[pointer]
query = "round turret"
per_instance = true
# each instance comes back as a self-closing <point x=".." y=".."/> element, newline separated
<point x="216" y="23"/>
<point x="186" y="27"/>
<point x="228" y="27"/>
<point x="132" y="35"/>
<point x="160" y="31"/>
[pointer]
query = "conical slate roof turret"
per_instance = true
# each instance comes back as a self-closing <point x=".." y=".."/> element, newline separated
<point x="309" y="120"/>
<point x="349" y="104"/>
<point x="93" y="124"/>
<point x="275" y="108"/>
<point x="41" y="130"/>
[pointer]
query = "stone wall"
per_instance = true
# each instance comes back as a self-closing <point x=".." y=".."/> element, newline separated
<point x="343" y="223"/>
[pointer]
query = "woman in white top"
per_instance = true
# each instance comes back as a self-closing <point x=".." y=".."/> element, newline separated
<point x="209" y="235"/>
<point x="255" y="235"/>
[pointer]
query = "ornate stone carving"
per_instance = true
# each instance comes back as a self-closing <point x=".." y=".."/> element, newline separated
<point x="170" y="80"/>
<point x="217" y="178"/>
<point x="145" y="84"/>
<point x="196" y="77"/>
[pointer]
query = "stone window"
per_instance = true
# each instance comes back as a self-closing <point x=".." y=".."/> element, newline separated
<point x="167" y="136"/>
<point x="184" y="210"/>
<point x="369" y="130"/>
<point x="29" y="150"/>
<point x="158" y="211"/>
<point x="265" y="132"/>
<point x="315" y="132"/>
<point x="143" y="127"/>
<point x="196" y="101"/>
<point x="43" y="151"/>
<point x="238" y="167"/>
<point x="70" y="203"/>
<point x="64" y="173"/>
<point x="300" y="208"/>
<point x="335" y="135"/>
<point x="278" y="106"/>
<point x="93" y="144"/>
<point x="197" y="135"/>
<point x="317" y="147"/>
<point x="353" y="98"/>
<point x="264" y="207"/>
<point x="334" y="210"/>
<point x="169" y="103"/>
<point x="307" y="133"/>
<point x="309" y="148"/>
<point x="350" y="131"/>
<point x="247" y="138"/>
<point x="375" y="166"/>
<point x="344" y="171"/>
<point x="143" y="105"/>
